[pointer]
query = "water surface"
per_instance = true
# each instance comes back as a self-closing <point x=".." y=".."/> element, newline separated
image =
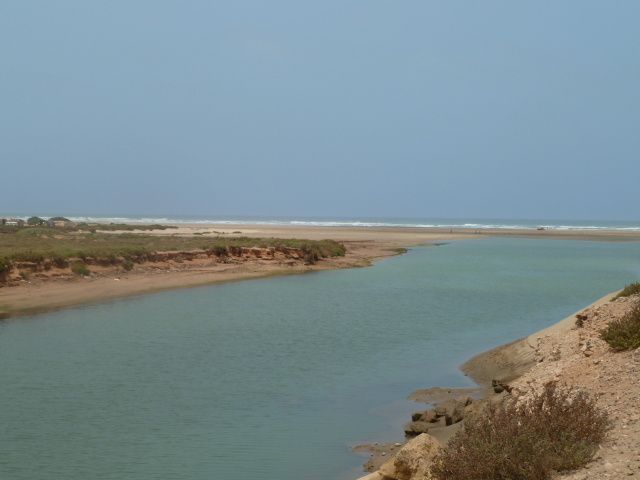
<point x="274" y="379"/>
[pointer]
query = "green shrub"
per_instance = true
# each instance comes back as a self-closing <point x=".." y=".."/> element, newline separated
<point x="219" y="251"/>
<point x="79" y="268"/>
<point x="29" y="256"/>
<point x="631" y="289"/>
<point x="555" y="430"/>
<point x="5" y="264"/>
<point x="5" y="268"/>
<point x="127" y="265"/>
<point x="36" y="221"/>
<point x="59" y="261"/>
<point x="624" y="333"/>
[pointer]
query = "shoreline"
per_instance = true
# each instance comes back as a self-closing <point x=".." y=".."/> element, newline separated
<point x="509" y="361"/>
<point x="514" y="365"/>
<point x="365" y="245"/>
<point x="31" y="299"/>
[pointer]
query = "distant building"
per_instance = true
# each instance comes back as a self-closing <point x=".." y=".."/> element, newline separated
<point x="14" y="222"/>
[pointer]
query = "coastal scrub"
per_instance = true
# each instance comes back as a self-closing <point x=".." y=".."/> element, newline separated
<point x="42" y="248"/>
<point x="631" y="289"/>
<point x="554" y="430"/>
<point x="40" y="244"/>
<point x="624" y="333"/>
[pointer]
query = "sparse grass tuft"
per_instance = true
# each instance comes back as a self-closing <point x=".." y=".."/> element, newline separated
<point x="60" y="261"/>
<point x="5" y="268"/>
<point x="79" y="268"/>
<point x="624" y="333"/>
<point x="558" y="429"/>
<point x="631" y="289"/>
<point x="59" y="247"/>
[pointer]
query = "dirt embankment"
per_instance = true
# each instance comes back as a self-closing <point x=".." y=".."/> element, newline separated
<point x="38" y="287"/>
<point x="69" y="268"/>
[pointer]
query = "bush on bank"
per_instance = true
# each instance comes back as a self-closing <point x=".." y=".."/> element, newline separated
<point x="631" y="289"/>
<point x="624" y="333"/>
<point x="557" y="429"/>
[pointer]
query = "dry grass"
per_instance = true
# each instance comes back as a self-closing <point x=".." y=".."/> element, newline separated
<point x="624" y="333"/>
<point x="558" y="429"/>
<point x="631" y="289"/>
<point x="60" y="247"/>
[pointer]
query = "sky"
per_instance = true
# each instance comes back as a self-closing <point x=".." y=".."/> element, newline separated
<point x="485" y="109"/>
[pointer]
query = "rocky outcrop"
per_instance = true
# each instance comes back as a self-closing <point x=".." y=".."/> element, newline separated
<point x="413" y="460"/>
<point x="442" y="415"/>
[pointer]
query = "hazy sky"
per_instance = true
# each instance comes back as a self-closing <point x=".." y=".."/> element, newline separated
<point x="335" y="108"/>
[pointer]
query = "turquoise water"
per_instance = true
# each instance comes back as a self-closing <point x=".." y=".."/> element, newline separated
<point x="274" y="379"/>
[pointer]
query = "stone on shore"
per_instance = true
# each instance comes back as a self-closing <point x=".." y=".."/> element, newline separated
<point x="447" y="413"/>
<point x="412" y="461"/>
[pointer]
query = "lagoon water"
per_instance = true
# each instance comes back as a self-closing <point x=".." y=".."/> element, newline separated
<point x="275" y="379"/>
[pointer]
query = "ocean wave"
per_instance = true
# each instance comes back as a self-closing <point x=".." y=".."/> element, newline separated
<point x="390" y="223"/>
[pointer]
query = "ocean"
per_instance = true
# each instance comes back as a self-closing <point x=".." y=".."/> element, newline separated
<point x="275" y="379"/>
<point x="454" y="223"/>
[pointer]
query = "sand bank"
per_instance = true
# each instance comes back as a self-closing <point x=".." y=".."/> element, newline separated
<point x="364" y="246"/>
<point x="510" y="361"/>
<point x="404" y="235"/>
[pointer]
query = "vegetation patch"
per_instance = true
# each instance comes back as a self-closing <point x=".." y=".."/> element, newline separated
<point x="60" y="247"/>
<point x="36" y="221"/>
<point x="558" y="429"/>
<point x="79" y="268"/>
<point x="5" y="268"/>
<point x="631" y="289"/>
<point x="624" y="333"/>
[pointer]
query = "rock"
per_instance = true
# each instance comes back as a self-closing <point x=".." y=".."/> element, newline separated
<point x="412" y="429"/>
<point x="372" y="476"/>
<point x="416" y="416"/>
<point x="412" y="461"/>
<point x="429" y="416"/>
<point x="440" y="410"/>
<point x="580" y="318"/>
<point x="425" y="416"/>
<point x="499" y="387"/>
<point x="456" y="415"/>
